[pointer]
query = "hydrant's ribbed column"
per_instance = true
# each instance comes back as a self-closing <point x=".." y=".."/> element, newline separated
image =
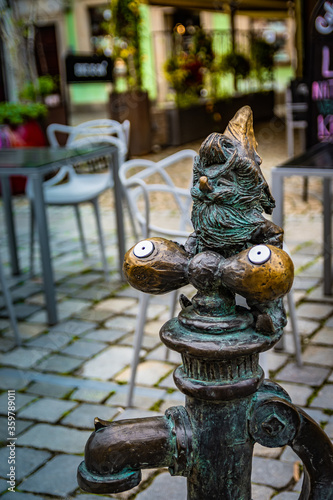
<point x="222" y="450"/>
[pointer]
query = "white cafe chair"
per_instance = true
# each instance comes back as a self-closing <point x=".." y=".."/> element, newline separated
<point x="142" y="181"/>
<point x="81" y="188"/>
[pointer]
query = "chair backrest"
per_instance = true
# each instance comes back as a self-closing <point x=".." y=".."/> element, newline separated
<point x="93" y="131"/>
<point x="148" y="184"/>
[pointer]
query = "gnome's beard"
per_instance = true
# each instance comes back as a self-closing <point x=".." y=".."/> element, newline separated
<point x="224" y="229"/>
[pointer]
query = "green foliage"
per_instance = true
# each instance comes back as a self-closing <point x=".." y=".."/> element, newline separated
<point x="125" y="27"/>
<point x="44" y="86"/>
<point x="16" y="113"/>
<point x="236" y="63"/>
<point x="185" y="71"/>
<point x="262" y="56"/>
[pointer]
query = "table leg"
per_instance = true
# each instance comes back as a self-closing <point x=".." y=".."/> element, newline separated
<point x="40" y="214"/>
<point x="114" y="167"/>
<point x="8" y="211"/>
<point x="327" y="194"/>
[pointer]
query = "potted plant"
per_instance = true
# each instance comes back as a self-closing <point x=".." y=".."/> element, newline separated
<point x="20" y="127"/>
<point x="131" y="101"/>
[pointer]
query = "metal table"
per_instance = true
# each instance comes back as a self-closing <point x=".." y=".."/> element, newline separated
<point x="35" y="163"/>
<point x="316" y="162"/>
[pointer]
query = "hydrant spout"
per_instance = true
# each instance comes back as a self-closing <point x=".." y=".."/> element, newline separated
<point x="116" y="452"/>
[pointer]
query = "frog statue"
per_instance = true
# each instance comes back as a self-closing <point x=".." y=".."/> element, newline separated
<point x="236" y="262"/>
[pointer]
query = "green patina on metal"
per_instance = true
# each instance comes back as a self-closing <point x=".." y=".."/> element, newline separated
<point x="233" y="252"/>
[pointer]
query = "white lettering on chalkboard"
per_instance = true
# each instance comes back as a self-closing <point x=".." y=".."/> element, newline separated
<point x="324" y="25"/>
<point x="86" y="70"/>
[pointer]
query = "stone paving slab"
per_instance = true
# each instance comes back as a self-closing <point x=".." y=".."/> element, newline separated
<point x="52" y="390"/>
<point x="324" y="398"/>
<point x="21" y="496"/>
<point x="55" y="438"/>
<point x="278" y="474"/>
<point x="74" y="327"/>
<point x="111" y="335"/>
<point x="324" y="336"/>
<point x="84" y="349"/>
<point x="4" y="485"/>
<point x="144" y="402"/>
<point x="148" y="373"/>
<point x="165" y="487"/>
<point x="58" y="363"/>
<point x="299" y="394"/>
<point x="26" y="461"/>
<point x="13" y="379"/>
<point x="121" y="323"/>
<point x="317" y="311"/>
<point x="308" y="375"/>
<point x="90" y="395"/>
<point x="52" y="341"/>
<point x="21" y="400"/>
<point x="46" y="410"/>
<point x="57" y="477"/>
<point x="21" y="426"/>
<point x="83" y="416"/>
<point x="21" y="357"/>
<point x="107" y="364"/>
<point x="319" y="355"/>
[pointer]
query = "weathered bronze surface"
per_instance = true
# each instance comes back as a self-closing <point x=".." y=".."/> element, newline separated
<point x="233" y="251"/>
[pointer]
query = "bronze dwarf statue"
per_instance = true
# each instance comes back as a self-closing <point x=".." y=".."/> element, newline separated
<point x="230" y="195"/>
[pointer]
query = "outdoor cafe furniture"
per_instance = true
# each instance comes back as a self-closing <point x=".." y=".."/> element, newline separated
<point x="316" y="162"/>
<point x="35" y="163"/>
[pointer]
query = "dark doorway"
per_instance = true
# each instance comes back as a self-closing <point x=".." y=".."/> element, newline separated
<point x="46" y="50"/>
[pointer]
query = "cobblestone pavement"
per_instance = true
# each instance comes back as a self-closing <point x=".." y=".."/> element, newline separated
<point x="66" y="375"/>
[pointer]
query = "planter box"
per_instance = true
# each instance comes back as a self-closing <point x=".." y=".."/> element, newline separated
<point x="135" y="107"/>
<point x="197" y="122"/>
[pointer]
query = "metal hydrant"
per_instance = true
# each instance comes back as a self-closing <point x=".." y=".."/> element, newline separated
<point x="233" y="252"/>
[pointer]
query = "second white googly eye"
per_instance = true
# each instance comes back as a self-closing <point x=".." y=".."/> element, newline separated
<point x="259" y="254"/>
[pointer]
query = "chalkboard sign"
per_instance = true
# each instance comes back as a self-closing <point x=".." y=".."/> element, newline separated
<point x="88" y="68"/>
<point x="320" y="116"/>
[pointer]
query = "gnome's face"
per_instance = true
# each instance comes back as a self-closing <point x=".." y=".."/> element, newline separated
<point x="229" y="191"/>
<point x="217" y="182"/>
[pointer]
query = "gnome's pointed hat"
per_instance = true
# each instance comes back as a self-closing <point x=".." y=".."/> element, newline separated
<point x="240" y="128"/>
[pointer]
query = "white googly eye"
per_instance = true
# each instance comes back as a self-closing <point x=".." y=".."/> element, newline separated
<point x="143" y="249"/>
<point x="259" y="254"/>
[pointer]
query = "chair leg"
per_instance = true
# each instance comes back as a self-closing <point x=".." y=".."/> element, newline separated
<point x="101" y="239"/>
<point x="263" y="361"/>
<point x="173" y="304"/>
<point x="138" y="336"/>
<point x="32" y="239"/>
<point x="79" y="225"/>
<point x="294" y="326"/>
<point x="9" y="305"/>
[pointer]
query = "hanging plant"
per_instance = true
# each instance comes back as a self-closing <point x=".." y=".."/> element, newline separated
<point x="262" y="56"/>
<point x="125" y="28"/>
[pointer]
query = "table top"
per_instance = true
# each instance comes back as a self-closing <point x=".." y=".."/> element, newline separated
<point x="34" y="158"/>
<point x="319" y="156"/>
